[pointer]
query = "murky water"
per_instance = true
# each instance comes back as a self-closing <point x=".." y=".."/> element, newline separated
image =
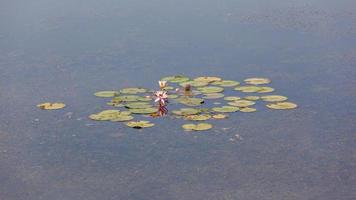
<point x="67" y="50"/>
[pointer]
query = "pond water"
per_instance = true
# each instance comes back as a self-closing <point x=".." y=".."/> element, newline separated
<point x="67" y="50"/>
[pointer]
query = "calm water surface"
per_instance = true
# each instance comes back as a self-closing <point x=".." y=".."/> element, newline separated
<point x="66" y="50"/>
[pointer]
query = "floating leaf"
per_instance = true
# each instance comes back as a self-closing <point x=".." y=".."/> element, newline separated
<point x="139" y="124"/>
<point x="143" y="110"/>
<point x="210" y="89"/>
<point x="106" y="93"/>
<point x="225" y="109"/>
<point x="241" y="103"/>
<point x="115" y="104"/>
<point x="282" y="105"/>
<point x="172" y="96"/>
<point x="248" y="109"/>
<point x="248" y="88"/>
<point x="257" y="81"/>
<point x="219" y="116"/>
<point x="111" y="115"/>
<point x="197" y="127"/>
<point x="186" y="111"/>
<point x="144" y="99"/>
<point x="207" y="79"/>
<point x="274" y="98"/>
<point x="138" y="105"/>
<point x="252" y="98"/>
<point x="168" y="88"/>
<point x="194" y="83"/>
<point x="265" y="90"/>
<point x="175" y="79"/>
<point x="232" y="98"/>
<point x="226" y="83"/>
<point x="51" y="106"/>
<point x="197" y="117"/>
<point x="126" y="98"/>
<point x="190" y="101"/>
<point x="213" y="96"/>
<point x="133" y="90"/>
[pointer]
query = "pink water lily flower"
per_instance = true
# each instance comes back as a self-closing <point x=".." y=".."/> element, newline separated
<point x="161" y="97"/>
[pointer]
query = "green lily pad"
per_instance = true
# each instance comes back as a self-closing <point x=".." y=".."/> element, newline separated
<point x="225" y="109"/>
<point x="213" y="96"/>
<point x="111" y="115"/>
<point x="274" y="98"/>
<point x="282" y="105"/>
<point x="133" y="90"/>
<point x="210" y="89"/>
<point x="168" y="88"/>
<point x="122" y="118"/>
<point x="138" y="105"/>
<point x="226" y="83"/>
<point x="148" y="110"/>
<point x="175" y="79"/>
<point x="115" y="104"/>
<point x="139" y="124"/>
<point x="248" y="109"/>
<point x="197" y="117"/>
<point x="194" y="83"/>
<point x="144" y="99"/>
<point x="207" y="79"/>
<point x="241" y="103"/>
<point x="189" y="101"/>
<point x="186" y="111"/>
<point x="232" y="98"/>
<point x="252" y="98"/>
<point x="106" y="93"/>
<point x="265" y="90"/>
<point x="126" y="98"/>
<point x="197" y="127"/>
<point x="219" y="116"/>
<point x="172" y="96"/>
<point x="248" y="88"/>
<point x="257" y="81"/>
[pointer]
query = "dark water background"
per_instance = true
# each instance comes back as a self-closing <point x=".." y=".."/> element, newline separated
<point x="66" y="50"/>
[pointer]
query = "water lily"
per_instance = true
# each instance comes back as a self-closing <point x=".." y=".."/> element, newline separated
<point x="162" y="84"/>
<point x="161" y="97"/>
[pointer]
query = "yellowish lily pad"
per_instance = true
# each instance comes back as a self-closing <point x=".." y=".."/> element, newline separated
<point x="186" y="111"/>
<point x="207" y="79"/>
<point x="248" y="109"/>
<point x="51" y="106"/>
<point x="133" y="90"/>
<point x="106" y="93"/>
<point x="248" y="88"/>
<point x="148" y="110"/>
<point x="210" y="89"/>
<point x="225" y="109"/>
<point x="197" y="117"/>
<point x="140" y="124"/>
<point x="257" y="81"/>
<point x="194" y="83"/>
<point x="226" y="83"/>
<point x="282" y="105"/>
<point x="241" y="103"/>
<point x="213" y="96"/>
<point x="252" y="98"/>
<point x="274" y="98"/>
<point x="138" y="105"/>
<point x="265" y="90"/>
<point x="219" y="116"/>
<point x="197" y="127"/>
<point x="175" y="79"/>
<point x="232" y="98"/>
<point x="190" y="101"/>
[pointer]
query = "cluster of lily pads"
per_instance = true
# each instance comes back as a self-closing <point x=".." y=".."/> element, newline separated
<point x="192" y="100"/>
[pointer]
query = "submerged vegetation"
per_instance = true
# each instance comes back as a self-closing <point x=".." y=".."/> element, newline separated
<point x="190" y="99"/>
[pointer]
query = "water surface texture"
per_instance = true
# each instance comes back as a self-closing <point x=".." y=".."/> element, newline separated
<point x="67" y="50"/>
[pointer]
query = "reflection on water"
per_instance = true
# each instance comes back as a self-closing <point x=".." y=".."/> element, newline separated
<point x="67" y="50"/>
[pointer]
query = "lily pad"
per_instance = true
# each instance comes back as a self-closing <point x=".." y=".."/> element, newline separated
<point x="144" y="99"/>
<point x="213" y="96"/>
<point x="122" y="118"/>
<point x="248" y="109"/>
<point x="265" y="90"/>
<point x="172" y="96"/>
<point x="133" y="90"/>
<point x="189" y="101"/>
<point x="274" y="98"/>
<point x="111" y="115"/>
<point x="194" y="83"/>
<point x="140" y="124"/>
<point x="126" y="98"/>
<point x="257" y="81"/>
<point x="241" y="103"/>
<point x="197" y="127"/>
<point x="106" y="93"/>
<point x="148" y="110"/>
<point x="51" y="106"/>
<point x="252" y="98"/>
<point x="248" y="88"/>
<point x="197" y="117"/>
<point x="115" y="104"/>
<point x="138" y="105"/>
<point x="225" y="109"/>
<point x="207" y="79"/>
<point x="226" y="83"/>
<point x="219" y="116"/>
<point x="186" y="111"/>
<point x="282" y="105"/>
<point x="210" y="89"/>
<point x="175" y="79"/>
<point x="168" y="88"/>
<point x="232" y="98"/>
